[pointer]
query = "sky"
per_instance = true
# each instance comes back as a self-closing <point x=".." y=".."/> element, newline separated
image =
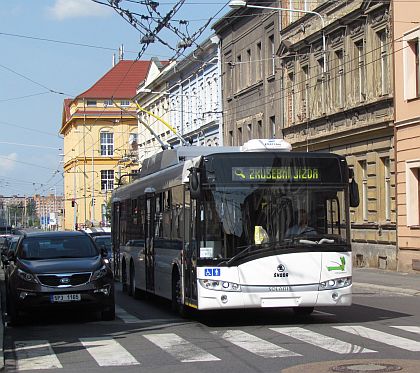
<point x="56" y="49"/>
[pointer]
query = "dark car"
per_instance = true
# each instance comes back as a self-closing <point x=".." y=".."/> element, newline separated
<point x="58" y="270"/>
<point x="105" y="241"/>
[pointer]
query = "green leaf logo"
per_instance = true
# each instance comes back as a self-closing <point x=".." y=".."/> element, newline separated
<point x="339" y="267"/>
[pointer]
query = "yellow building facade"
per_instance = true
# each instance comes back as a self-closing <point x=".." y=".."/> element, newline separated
<point x="100" y="144"/>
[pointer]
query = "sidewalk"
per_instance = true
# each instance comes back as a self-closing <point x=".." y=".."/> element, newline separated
<point x="386" y="281"/>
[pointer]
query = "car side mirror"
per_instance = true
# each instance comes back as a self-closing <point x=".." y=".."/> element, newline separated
<point x="11" y="256"/>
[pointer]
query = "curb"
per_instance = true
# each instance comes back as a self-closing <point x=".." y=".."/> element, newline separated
<point x="389" y="289"/>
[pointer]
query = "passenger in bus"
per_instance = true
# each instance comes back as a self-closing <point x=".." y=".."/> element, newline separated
<point x="302" y="227"/>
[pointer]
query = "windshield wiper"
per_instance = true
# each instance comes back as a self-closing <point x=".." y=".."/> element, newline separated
<point x="237" y="256"/>
<point x="313" y="242"/>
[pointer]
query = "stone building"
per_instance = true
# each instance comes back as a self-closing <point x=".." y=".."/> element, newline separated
<point x="251" y="85"/>
<point x="321" y="79"/>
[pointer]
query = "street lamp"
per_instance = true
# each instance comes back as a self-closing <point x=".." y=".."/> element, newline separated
<point x="236" y="4"/>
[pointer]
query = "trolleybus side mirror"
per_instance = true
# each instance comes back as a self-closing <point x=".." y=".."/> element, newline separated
<point x="354" y="190"/>
<point x="194" y="183"/>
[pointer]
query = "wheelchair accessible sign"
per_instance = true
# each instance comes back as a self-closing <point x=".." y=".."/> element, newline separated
<point x="211" y="272"/>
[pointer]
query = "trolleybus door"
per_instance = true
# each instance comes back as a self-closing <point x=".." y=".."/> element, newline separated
<point x="190" y="260"/>
<point x="148" y="243"/>
<point x="116" y="238"/>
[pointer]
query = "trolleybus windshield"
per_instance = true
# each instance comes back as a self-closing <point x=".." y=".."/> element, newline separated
<point x="286" y="216"/>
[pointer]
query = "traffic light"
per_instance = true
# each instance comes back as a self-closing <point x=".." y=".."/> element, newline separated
<point x="73" y="203"/>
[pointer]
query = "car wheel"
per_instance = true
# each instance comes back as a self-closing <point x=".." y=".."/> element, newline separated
<point x="108" y="314"/>
<point x="303" y="311"/>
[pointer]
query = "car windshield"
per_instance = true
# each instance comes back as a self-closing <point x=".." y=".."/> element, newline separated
<point x="104" y="241"/>
<point x="57" y="247"/>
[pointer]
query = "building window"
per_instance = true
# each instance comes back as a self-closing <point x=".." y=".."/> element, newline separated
<point x="384" y="51"/>
<point x="249" y="131"/>
<point x="363" y="167"/>
<point x="304" y="93"/>
<point x="291" y="98"/>
<point x="320" y="87"/>
<point x="273" y="127"/>
<point x="259" y="61"/>
<point x="413" y="192"/>
<point x="260" y="129"/>
<point x="108" y="103"/>
<point x="107" y="143"/>
<point x="387" y="187"/>
<point x="231" y="142"/>
<point x="107" y="180"/>
<point x="272" y="54"/>
<point x="240" y="139"/>
<point x="411" y="65"/>
<point x="360" y="78"/>
<point x="90" y="102"/>
<point x="125" y="102"/>
<point x="249" y="66"/>
<point x="340" y="83"/>
<point x="238" y="72"/>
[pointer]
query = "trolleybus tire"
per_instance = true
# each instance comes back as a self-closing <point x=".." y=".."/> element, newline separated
<point x="124" y="277"/>
<point x="177" y="304"/>
<point x="132" y="283"/>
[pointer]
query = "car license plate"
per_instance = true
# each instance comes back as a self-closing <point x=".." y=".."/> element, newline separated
<point x="58" y="298"/>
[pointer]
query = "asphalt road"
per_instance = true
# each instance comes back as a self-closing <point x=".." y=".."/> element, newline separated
<point x="379" y="330"/>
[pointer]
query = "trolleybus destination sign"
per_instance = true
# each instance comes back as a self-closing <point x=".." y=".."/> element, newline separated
<point x="275" y="173"/>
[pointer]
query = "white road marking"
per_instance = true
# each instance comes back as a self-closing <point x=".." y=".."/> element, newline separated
<point x="125" y="316"/>
<point x="254" y="344"/>
<point x="322" y="313"/>
<point x="389" y="339"/>
<point x="179" y="348"/>
<point x="322" y="341"/>
<point x="412" y="329"/>
<point x="108" y="352"/>
<point x="35" y="355"/>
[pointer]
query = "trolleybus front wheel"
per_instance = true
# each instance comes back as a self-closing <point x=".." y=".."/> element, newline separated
<point x="177" y="304"/>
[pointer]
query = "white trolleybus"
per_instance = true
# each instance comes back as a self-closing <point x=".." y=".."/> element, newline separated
<point x="237" y="227"/>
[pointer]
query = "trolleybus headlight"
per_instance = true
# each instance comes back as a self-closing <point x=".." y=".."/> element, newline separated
<point x="336" y="283"/>
<point x="220" y="285"/>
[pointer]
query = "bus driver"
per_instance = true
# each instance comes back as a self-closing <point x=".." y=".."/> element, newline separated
<point x="302" y="228"/>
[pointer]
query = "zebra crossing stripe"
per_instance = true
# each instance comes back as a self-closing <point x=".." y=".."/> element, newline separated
<point x="254" y="344"/>
<point x="322" y="341"/>
<point x="125" y="316"/>
<point x="37" y="354"/>
<point x="179" y="348"/>
<point x="411" y="329"/>
<point x="108" y="352"/>
<point x="389" y="339"/>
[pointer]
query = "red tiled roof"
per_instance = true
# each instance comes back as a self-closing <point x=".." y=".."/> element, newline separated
<point x="119" y="82"/>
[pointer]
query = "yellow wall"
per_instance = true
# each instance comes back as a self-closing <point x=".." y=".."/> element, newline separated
<point x="82" y="145"/>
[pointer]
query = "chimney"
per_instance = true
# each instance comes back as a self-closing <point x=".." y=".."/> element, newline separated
<point x="121" y="52"/>
<point x="113" y="59"/>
